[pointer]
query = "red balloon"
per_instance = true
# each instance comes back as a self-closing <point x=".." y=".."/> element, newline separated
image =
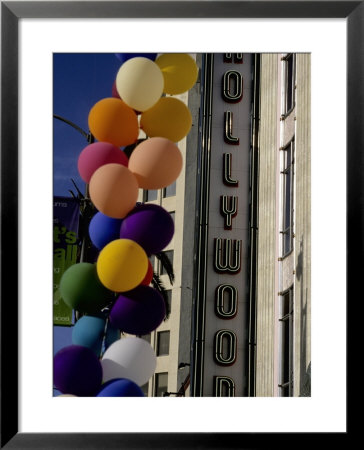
<point x="114" y="91"/>
<point x="149" y="276"/>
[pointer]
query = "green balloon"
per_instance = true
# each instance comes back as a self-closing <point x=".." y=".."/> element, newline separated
<point x="82" y="290"/>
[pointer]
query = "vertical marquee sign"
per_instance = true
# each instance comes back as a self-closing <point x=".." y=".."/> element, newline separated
<point x="221" y="312"/>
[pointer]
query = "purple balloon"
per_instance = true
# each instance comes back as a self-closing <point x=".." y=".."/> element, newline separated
<point x="151" y="226"/>
<point x="120" y="387"/>
<point x="125" y="56"/>
<point x="77" y="371"/>
<point x="139" y="311"/>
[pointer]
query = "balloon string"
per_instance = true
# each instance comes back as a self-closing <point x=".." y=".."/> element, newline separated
<point x="104" y="337"/>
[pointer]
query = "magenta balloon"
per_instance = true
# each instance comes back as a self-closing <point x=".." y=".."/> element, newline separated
<point x="98" y="154"/>
<point x="139" y="311"/>
<point x="151" y="226"/>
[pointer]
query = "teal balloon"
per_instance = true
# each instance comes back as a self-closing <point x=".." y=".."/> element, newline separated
<point x="89" y="332"/>
<point x="81" y="289"/>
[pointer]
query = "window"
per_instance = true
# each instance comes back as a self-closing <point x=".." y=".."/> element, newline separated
<point x="286" y="343"/>
<point x="169" y="298"/>
<point x="170" y="190"/>
<point x="169" y="254"/>
<point x="288" y="198"/>
<point x="173" y="215"/>
<point x="161" y="384"/>
<point x="163" y="343"/>
<point x="150" y="195"/>
<point x="289" y="62"/>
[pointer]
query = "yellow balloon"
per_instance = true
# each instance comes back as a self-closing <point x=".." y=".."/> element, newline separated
<point x="139" y="83"/>
<point x="179" y="70"/>
<point x="122" y="265"/>
<point x="169" y="118"/>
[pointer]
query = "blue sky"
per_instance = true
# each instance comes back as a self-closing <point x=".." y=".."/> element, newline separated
<point x="79" y="81"/>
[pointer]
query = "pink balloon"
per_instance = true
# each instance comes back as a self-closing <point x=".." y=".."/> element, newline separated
<point x="98" y="154"/>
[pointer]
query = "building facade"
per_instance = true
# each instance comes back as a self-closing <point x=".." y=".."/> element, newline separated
<point x="240" y="302"/>
<point x="283" y="295"/>
<point x="171" y="341"/>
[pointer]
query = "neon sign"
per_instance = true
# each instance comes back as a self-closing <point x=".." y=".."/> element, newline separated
<point x="227" y="254"/>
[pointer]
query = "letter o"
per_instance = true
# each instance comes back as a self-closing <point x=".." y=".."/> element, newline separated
<point x="230" y="78"/>
<point x="224" y="308"/>
<point x="225" y="347"/>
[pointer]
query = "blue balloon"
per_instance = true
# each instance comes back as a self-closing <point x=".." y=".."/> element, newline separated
<point x="125" y="56"/>
<point x="120" y="387"/>
<point x="103" y="229"/>
<point x="89" y="332"/>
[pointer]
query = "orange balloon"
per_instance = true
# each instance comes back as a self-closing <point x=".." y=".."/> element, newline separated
<point x="114" y="190"/>
<point x="156" y="163"/>
<point x="111" y="120"/>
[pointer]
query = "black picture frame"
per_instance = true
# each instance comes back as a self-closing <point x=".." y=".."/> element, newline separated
<point x="11" y="13"/>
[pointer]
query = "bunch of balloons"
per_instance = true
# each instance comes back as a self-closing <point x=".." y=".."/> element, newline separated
<point x="114" y="294"/>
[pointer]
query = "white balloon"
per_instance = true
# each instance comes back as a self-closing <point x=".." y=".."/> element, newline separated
<point x="140" y="83"/>
<point x="130" y="357"/>
<point x="66" y="395"/>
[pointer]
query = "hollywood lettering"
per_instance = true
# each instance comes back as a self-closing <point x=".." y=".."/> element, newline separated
<point x="227" y="252"/>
